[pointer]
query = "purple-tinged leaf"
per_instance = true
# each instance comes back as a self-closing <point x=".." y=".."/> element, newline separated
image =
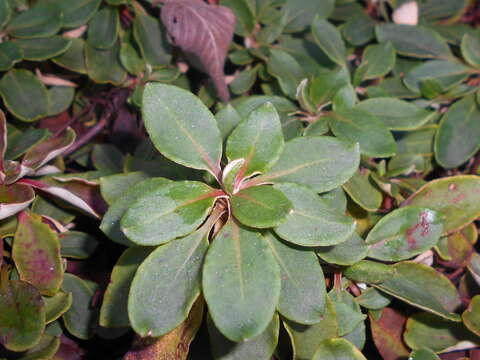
<point x="14" y="198"/>
<point x="22" y="315"/>
<point x="203" y="31"/>
<point x="387" y="332"/>
<point x="80" y="193"/>
<point x="36" y="252"/>
<point x="49" y="149"/>
<point x="14" y="171"/>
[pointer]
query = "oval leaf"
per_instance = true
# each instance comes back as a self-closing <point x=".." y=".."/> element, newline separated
<point x="103" y="28"/>
<point x="329" y="39"/>
<point x="332" y="349"/>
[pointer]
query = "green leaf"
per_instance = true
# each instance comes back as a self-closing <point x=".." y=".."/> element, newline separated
<point x="323" y="87"/>
<point x="115" y="186"/>
<point x="329" y="39"/>
<point x="444" y="74"/>
<point x="333" y="349"/>
<point x="363" y="191"/>
<point x="131" y="59"/>
<point x="108" y="158"/>
<point x="471" y="50"/>
<point x="423" y="354"/>
<point x="309" y="161"/>
<point x="244" y="81"/>
<point x="414" y="41"/>
<point x="245" y="15"/>
<point x="359" y="29"/>
<point x="78" y="13"/>
<point x="37" y="22"/>
<point x="43" y="49"/>
<point x="227" y="119"/>
<point x="423" y="287"/>
<point x="10" y="54"/>
<point x="302" y="294"/>
<point x="114" y="310"/>
<point x="404" y="233"/>
<point x="378" y="60"/>
<point x="24" y="95"/>
<point x="104" y="65"/>
<point x="150" y="36"/>
<point x="167" y="284"/>
<point x="358" y="125"/>
<point x="301" y="15"/>
<point x="77" y="245"/>
<point x="36" y="252"/>
<point x="103" y="28"/>
<point x="312" y="221"/>
<point x="260" y="206"/>
<point x="81" y="317"/>
<point x="370" y="272"/>
<point x="471" y="316"/>
<point x="456" y="139"/>
<point x="187" y="134"/>
<point x="260" y="347"/>
<point x="349" y="314"/>
<point x="165" y="211"/>
<point x="307" y="338"/>
<point x="397" y="114"/>
<point x="286" y="70"/>
<point x="455" y="197"/>
<point x="57" y="305"/>
<point x="5" y="13"/>
<point x="22" y="315"/>
<point x="348" y="252"/>
<point x="258" y="139"/>
<point x="425" y="330"/>
<point x="60" y="98"/>
<point x="73" y="59"/>
<point x="373" y="299"/>
<point x="240" y="301"/>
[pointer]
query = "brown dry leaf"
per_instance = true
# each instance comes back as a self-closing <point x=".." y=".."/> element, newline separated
<point x="387" y="334"/>
<point x="172" y="346"/>
<point x="203" y="32"/>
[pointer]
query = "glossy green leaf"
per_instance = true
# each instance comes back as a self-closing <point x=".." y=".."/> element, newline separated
<point x="151" y="39"/>
<point x="323" y="87"/>
<point x="57" y="305"/>
<point x="309" y="161"/>
<point x="241" y="302"/>
<point x="81" y="317"/>
<point x="301" y="15"/>
<point x="423" y="354"/>
<point x="60" y="98"/>
<point x="456" y="198"/>
<point x="312" y="221"/>
<point x="414" y="41"/>
<point x="435" y="76"/>
<point x="286" y="70"/>
<point x="363" y="191"/>
<point x="24" y="95"/>
<point x="39" y="21"/>
<point x="423" y="287"/>
<point x="378" y="60"/>
<point x="373" y="299"/>
<point x="186" y="133"/>
<point x="333" y="349"/>
<point x="244" y="81"/>
<point x="302" y="294"/>
<point x="73" y="58"/>
<point x="397" y="114"/>
<point x="131" y="59"/>
<point x="370" y="272"/>
<point x="258" y="140"/>
<point x="115" y="186"/>
<point x="77" y="245"/>
<point x="103" y="28"/>
<point x="349" y="314"/>
<point x="471" y="49"/>
<point x="36" y="252"/>
<point x="43" y="49"/>
<point x="260" y="206"/>
<point x="404" y="233"/>
<point x="78" y="13"/>
<point x="348" y="252"/>
<point x="166" y="211"/>
<point x="456" y="139"/>
<point x="471" y="316"/>
<point x="10" y="54"/>
<point x="260" y="347"/>
<point x="22" y="315"/>
<point x="425" y="330"/>
<point x="358" y="125"/>
<point x="114" y="310"/>
<point x="167" y="284"/>
<point x="104" y="66"/>
<point x="329" y="39"/>
<point x="307" y="338"/>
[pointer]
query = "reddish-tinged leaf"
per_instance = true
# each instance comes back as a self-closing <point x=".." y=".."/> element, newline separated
<point x="36" y="252"/>
<point x="82" y="194"/>
<point x="14" y="198"/>
<point x="3" y="141"/>
<point x="387" y="334"/>
<point x="68" y="350"/>
<point x="203" y="31"/>
<point x="49" y="149"/>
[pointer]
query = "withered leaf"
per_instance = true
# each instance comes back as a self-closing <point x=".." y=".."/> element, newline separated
<point x="204" y="33"/>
